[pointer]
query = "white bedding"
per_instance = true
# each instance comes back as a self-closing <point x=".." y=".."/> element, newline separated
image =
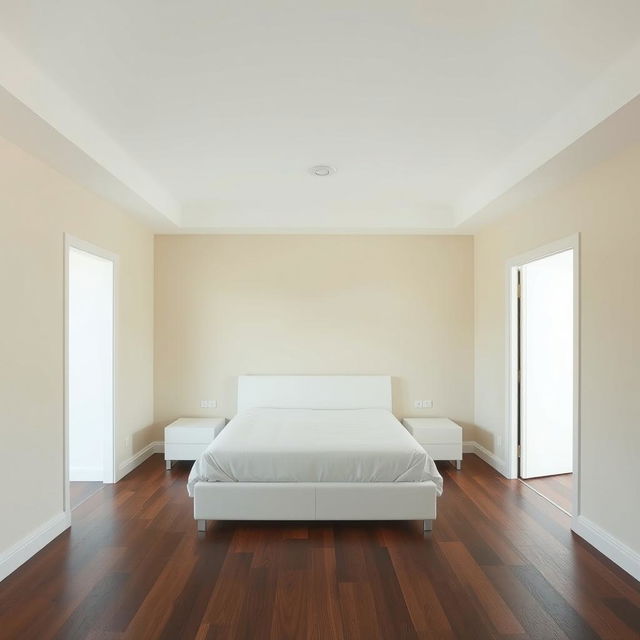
<point x="314" y="445"/>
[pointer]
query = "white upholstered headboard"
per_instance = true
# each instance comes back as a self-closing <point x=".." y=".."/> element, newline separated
<point x="314" y="392"/>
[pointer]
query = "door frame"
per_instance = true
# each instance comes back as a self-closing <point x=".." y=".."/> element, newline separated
<point x="109" y="435"/>
<point x="512" y="407"/>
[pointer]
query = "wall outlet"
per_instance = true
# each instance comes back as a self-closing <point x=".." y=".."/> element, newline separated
<point x="127" y="442"/>
<point x="208" y="404"/>
<point x="423" y="404"/>
<point x="499" y="443"/>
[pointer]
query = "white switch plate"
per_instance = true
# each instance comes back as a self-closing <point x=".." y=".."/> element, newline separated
<point x="208" y="404"/>
<point x="423" y="404"/>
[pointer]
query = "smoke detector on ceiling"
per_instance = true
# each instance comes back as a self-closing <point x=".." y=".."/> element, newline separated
<point x="322" y="170"/>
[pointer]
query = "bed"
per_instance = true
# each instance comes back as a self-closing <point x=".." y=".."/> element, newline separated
<point x="314" y="448"/>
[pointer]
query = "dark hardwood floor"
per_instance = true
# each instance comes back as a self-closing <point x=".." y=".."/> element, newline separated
<point x="556" y="488"/>
<point x="80" y="491"/>
<point x="500" y="563"/>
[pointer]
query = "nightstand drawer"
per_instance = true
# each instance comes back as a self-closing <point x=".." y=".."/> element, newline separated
<point x="193" y="430"/>
<point x="183" y="451"/>
<point x="438" y="451"/>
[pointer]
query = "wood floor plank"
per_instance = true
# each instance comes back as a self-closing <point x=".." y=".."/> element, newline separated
<point x="496" y="608"/>
<point x="156" y="608"/>
<point x="359" y="617"/>
<point x="600" y="566"/>
<point x="389" y="602"/>
<point x="555" y="488"/>
<point x="291" y="607"/>
<point x="423" y="604"/>
<point x="80" y="491"/>
<point x="350" y="560"/>
<point x="626" y="611"/>
<point x="226" y="602"/>
<point x="69" y="595"/>
<point x="574" y="626"/>
<point x="256" y="616"/>
<point x="137" y="585"/>
<point x="469" y="621"/>
<point x="292" y="601"/>
<point x="192" y="602"/>
<point x="325" y="617"/>
<point x="90" y="615"/>
<point x="500" y="563"/>
<point x="537" y="622"/>
<point x="555" y="566"/>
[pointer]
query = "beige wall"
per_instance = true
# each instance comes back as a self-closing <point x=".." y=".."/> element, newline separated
<point x="229" y="305"/>
<point x="604" y="206"/>
<point x="37" y="205"/>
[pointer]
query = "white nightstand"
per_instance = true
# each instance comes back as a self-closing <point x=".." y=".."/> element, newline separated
<point x="441" y="438"/>
<point x="187" y="438"/>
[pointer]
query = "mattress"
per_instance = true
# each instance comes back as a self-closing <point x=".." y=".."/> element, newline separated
<point x="314" y="445"/>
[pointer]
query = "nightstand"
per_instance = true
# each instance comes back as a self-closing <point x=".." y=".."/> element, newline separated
<point x="187" y="438"/>
<point x="441" y="438"/>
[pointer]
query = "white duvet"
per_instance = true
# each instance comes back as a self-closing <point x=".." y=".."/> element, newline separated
<point x="314" y="445"/>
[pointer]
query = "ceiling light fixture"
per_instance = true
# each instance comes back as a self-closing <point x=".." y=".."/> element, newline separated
<point x="322" y="170"/>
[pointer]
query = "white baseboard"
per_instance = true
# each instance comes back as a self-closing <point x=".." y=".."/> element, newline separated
<point x="603" y="541"/>
<point x="471" y="446"/>
<point x="128" y="465"/>
<point x="85" y="474"/>
<point x="468" y="446"/>
<point x="24" y="549"/>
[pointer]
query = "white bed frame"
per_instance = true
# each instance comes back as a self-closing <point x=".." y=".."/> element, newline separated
<point x="314" y="500"/>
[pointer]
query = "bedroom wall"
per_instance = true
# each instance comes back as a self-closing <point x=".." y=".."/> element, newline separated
<point x="37" y="205"/>
<point x="230" y="305"/>
<point x="604" y="206"/>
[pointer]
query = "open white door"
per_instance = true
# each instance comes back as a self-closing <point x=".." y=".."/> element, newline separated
<point x="90" y="363"/>
<point x="546" y="366"/>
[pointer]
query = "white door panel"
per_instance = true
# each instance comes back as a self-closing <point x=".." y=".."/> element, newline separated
<point x="546" y="352"/>
<point x="90" y="360"/>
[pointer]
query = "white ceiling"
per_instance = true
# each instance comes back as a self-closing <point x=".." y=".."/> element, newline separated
<point x="205" y="116"/>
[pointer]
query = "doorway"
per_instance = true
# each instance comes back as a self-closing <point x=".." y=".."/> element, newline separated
<point x="543" y="351"/>
<point x="90" y="389"/>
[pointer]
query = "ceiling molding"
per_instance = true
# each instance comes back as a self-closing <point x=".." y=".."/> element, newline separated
<point x="46" y="115"/>
<point x="41" y="118"/>
<point x="611" y="137"/>
<point x="323" y="231"/>
<point x="613" y="89"/>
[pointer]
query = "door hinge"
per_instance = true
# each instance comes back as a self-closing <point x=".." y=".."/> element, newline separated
<point x="518" y="451"/>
